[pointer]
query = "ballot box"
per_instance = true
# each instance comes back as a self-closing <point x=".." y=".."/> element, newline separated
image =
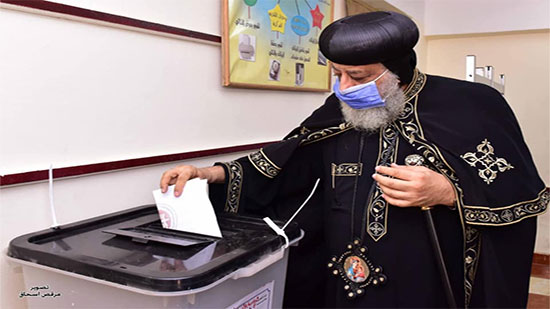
<point x="127" y="260"/>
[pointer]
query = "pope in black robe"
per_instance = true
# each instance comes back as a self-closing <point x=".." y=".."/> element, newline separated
<point x="468" y="133"/>
<point x="463" y="131"/>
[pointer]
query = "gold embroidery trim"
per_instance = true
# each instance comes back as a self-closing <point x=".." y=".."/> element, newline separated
<point x="234" y="186"/>
<point x="486" y="160"/>
<point x="416" y="85"/>
<point x="262" y="163"/>
<point x="541" y="193"/>
<point x="345" y="169"/>
<point x="509" y="214"/>
<point x="377" y="214"/>
<point x="325" y="133"/>
<point x="303" y="130"/>
<point x="471" y="253"/>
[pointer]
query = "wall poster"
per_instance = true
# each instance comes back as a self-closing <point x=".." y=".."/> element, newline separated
<point x="273" y="44"/>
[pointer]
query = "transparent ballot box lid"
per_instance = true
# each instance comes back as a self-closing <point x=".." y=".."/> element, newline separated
<point x="131" y="248"/>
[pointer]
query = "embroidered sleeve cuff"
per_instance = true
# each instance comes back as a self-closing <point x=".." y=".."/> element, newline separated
<point x="262" y="163"/>
<point x="234" y="180"/>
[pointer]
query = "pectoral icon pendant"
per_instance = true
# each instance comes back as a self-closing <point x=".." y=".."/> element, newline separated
<point x="356" y="270"/>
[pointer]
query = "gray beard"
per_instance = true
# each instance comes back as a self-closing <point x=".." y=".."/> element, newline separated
<point x="372" y="119"/>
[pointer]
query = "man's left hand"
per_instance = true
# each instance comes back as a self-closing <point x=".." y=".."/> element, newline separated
<point x="414" y="186"/>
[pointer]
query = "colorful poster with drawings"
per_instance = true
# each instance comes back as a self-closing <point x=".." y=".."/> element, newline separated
<point x="274" y="44"/>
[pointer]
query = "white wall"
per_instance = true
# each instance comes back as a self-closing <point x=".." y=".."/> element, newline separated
<point x="76" y="93"/>
<point x="479" y="16"/>
<point x="83" y="93"/>
<point x="413" y="8"/>
<point x="166" y="12"/>
<point x="444" y="17"/>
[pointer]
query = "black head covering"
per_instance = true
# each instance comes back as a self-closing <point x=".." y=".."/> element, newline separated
<point x="386" y="37"/>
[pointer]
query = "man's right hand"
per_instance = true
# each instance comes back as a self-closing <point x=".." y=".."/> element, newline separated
<point x="181" y="174"/>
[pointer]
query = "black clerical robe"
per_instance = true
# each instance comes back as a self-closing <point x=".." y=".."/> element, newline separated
<point x="465" y="131"/>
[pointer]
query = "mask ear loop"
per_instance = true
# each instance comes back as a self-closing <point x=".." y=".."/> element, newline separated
<point x="383" y="73"/>
<point x="380" y="76"/>
<point x="281" y="231"/>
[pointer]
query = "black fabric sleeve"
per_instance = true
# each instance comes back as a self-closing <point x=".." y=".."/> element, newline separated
<point x="247" y="190"/>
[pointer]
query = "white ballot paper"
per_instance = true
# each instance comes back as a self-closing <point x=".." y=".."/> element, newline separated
<point x="190" y="212"/>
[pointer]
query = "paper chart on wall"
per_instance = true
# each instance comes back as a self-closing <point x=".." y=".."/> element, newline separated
<point x="274" y="44"/>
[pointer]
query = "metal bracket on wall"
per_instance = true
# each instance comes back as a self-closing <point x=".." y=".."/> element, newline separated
<point x="483" y="75"/>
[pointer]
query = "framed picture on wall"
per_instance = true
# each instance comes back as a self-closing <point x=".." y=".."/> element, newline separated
<point x="273" y="44"/>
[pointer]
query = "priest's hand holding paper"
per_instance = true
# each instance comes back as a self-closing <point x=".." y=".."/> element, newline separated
<point x="181" y="174"/>
<point x="183" y="202"/>
<point x="414" y="186"/>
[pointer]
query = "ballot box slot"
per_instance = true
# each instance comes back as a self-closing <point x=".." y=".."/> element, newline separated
<point x="55" y="234"/>
<point x="154" y="232"/>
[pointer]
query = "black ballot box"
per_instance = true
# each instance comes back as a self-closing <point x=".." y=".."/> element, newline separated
<point x="127" y="260"/>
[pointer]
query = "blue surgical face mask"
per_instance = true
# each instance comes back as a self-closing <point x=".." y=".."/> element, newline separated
<point x="362" y="96"/>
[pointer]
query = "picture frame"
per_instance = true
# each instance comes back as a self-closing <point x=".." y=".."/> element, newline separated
<point x="273" y="44"/>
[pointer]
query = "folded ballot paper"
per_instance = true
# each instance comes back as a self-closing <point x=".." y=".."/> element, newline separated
<point x="190" y="212"/>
